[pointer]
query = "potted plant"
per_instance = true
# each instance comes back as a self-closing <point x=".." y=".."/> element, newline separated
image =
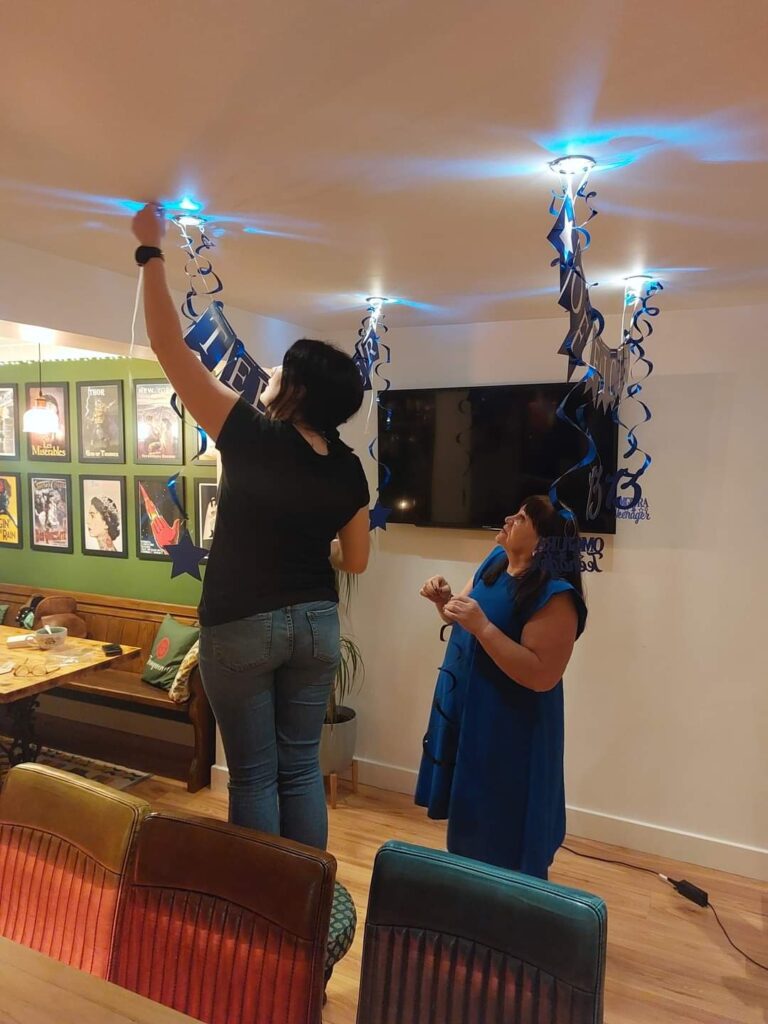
<point x="337" y="744"/>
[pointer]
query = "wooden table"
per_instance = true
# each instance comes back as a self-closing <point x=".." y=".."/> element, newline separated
<point x="37" y="990"/>
<point x="34" y="672"/>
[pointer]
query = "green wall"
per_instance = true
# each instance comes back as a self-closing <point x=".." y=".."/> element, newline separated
<point x="121" y="577"/>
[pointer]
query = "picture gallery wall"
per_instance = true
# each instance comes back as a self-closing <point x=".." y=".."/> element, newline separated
<point x="95" y="492"/>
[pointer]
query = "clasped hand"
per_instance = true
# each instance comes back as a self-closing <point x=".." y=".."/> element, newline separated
<point x="467" y="612"/>
<point x="464" y="610"/>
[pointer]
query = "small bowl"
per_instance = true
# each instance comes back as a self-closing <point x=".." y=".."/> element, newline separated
<point x="50" y="637"/>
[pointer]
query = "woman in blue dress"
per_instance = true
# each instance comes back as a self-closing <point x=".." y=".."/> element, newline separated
<point x="493" y="754"/>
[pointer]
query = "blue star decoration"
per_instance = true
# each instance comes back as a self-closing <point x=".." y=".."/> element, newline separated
<point x="378" y="516"/>
<point x="186" y="557"/>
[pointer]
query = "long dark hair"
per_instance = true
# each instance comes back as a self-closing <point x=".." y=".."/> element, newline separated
<point x="548" y="522"/>
<point x="320" y="387"/>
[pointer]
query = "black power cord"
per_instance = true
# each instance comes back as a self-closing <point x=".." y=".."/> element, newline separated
<point x="685" y="888"/>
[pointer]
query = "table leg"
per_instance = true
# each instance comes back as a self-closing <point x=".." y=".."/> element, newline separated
<point x="24" y="746"/>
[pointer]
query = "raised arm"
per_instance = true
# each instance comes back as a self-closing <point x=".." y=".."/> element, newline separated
<point x="207" y="399"/>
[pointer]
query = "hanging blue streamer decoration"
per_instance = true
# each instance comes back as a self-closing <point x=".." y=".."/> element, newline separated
<point x="367" y="345"/>
<point x="625" y="488"/>
<point x="201" y="277"/>
<point x="210" y="333"/>
<point x="211" y="336"/>
<point x="243" y="374"/>
<point x="371" y="355"/>
<point x="173" y="491"/>
<point x="586" y="323"/>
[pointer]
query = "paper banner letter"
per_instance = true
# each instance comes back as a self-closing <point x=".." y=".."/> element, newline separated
<point x="211" y="336"/>
<point x="244" y="375"/>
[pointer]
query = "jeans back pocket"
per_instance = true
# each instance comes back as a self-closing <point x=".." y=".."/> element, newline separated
<point x="243" y="645"/>
<point x="326" y="633"/>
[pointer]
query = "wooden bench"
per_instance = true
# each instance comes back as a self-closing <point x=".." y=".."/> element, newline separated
<point x="128" y="621"/>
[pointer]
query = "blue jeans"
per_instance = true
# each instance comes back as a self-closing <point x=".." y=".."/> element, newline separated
<point x="268" y="679"/>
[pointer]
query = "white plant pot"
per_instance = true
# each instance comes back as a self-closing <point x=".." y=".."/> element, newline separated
<point x="337" y="744"/>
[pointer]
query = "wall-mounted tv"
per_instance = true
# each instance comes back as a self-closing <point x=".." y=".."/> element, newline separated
<point x="467" y="457"/>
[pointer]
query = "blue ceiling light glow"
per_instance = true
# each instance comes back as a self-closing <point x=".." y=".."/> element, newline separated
<point x="189" y="205"/>
<point x="726" y="136"/>
<point x="250" y="230"/>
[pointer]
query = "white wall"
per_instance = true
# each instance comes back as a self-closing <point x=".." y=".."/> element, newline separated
<point x="667" y="703"/>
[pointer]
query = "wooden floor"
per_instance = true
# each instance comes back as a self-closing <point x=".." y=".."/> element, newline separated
<point x="668" y="962"/>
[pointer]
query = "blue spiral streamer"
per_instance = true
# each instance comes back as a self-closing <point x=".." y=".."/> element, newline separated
<point x="372" y="354"/>
<point x="626" y="480"/>
<point x="571" y="240"/>
<point x="172" y="486"/>
<point x="199" y="266"/>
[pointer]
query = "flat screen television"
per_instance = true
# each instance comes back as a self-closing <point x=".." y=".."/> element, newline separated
<point x="467" y="457"/>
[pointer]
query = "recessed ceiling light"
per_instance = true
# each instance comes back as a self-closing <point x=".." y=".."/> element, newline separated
<point x="576" y="164"/>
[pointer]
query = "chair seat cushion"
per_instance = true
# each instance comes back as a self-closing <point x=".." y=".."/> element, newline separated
<point x="341" y="931"/>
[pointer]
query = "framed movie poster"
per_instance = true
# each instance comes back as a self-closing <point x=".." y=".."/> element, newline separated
<point x="158" y="520"/>
<point x="10" y="510"/>
<point x="50" y="447"/>
<point x="9" y="422"/>
<point x="159" y="436"/>
<point x="206" y="503"/>
<point x="50" y="507"/>
<point x="103" y="514"/>
<point x="100" y="422"/>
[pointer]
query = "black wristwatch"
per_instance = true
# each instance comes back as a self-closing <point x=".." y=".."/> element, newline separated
<point x="145" y="253"/>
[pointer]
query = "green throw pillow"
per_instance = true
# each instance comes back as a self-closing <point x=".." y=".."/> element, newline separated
<point x="171" y="644"/>
<point x="3" y="610"/>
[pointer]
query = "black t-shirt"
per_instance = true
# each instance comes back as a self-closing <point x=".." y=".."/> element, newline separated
<point x="280" y="506"/>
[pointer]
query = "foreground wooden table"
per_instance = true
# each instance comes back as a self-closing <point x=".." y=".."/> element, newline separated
<point x="37" y="990"/>
<point x="34" y="672"/>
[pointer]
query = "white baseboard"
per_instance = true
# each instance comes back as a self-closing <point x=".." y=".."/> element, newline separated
<point x="219" y="779"/>
<point x="706" y="851"/>
<point x="386" y="776"/>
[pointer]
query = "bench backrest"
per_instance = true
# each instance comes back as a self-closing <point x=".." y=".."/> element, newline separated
<point x="116" y="620"/>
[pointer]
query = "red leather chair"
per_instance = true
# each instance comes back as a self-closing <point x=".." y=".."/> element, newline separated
<point x="64" y="845"/>
<point x="223" y="923"/>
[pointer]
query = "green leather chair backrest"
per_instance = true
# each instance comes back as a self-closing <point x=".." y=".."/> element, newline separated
<point x="452" y="941"/>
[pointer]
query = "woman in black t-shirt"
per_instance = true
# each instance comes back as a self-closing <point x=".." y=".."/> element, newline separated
<point x="292" y="507"/>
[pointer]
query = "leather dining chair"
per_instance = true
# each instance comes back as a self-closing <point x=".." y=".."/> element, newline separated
<point x="225" y="924"/>
<point x="64" y="845"/>
<point x="452" y="941"/>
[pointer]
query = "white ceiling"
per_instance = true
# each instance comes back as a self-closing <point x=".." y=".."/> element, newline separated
<point x="396" y="146"/>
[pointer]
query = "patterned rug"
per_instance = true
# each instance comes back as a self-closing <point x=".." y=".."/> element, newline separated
<point x="113" y="775"/>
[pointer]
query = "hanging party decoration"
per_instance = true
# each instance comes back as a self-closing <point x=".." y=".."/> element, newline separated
<point x="186" y="556"/>
<point x="631" y="411"/>
<point x="570" y="240"/>
<point x="371" y="355"/>
<point x="586" y="323"/>
<point x="210" y="334"/>
<point x="367" y="345"/>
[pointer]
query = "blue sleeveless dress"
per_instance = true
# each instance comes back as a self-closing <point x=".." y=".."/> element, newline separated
<point x="493" y="754"/>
